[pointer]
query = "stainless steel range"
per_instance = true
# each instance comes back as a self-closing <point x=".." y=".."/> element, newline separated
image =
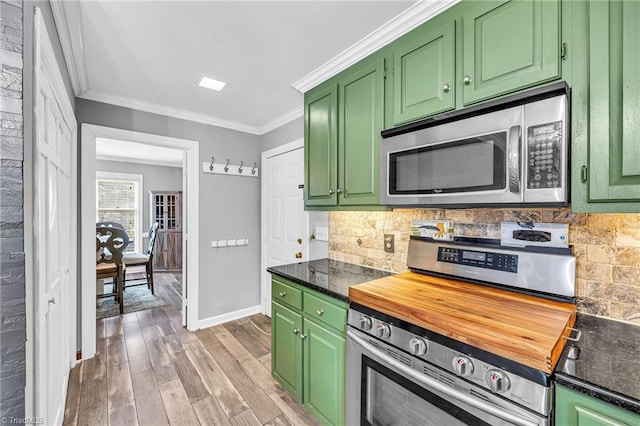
<point x="419" y="364"/>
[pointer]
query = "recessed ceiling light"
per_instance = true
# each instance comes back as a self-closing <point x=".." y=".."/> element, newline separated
<point x="212" y="84"/>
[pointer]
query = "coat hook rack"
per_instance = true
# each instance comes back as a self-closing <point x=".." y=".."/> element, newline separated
<point x="228" y="169"/>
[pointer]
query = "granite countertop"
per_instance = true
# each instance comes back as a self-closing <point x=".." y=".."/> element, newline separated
<point x="330" y="277"/>
<point x="608" y="363"/>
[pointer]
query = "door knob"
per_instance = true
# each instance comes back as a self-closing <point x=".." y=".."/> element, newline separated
<point x="466" y="80"/>
<point x="446" y="88"/>
<point x="299" y="240"/>
<point x="299" y="255"/>
<point x="52" y="301"/>
<point x="331" y="191"/>
<point x="339" y="191"/>
<point x="303" y="336"/>
<point x="296" y="330"/>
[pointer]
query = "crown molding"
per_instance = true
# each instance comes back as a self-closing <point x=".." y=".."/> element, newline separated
<point x="282" y="120"/>
<point x="417" y="14"/>
<point x="137" y="104"/>
<point x="68" y="20"/>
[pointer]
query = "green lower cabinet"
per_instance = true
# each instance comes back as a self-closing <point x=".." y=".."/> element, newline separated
<point x="286" y="349"/>
<point x="324" y="372"/>
<point x="577" y="409"/>
<point x="308" y="345"/>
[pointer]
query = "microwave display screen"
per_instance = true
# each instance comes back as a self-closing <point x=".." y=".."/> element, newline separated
<point x="474" y="164"/>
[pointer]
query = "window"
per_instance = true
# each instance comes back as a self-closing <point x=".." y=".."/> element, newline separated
<point x="119" y="199"/>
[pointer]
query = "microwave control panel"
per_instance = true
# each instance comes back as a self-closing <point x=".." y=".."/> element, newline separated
<point x="479" y="259"/>
<point x="544" y="161"/>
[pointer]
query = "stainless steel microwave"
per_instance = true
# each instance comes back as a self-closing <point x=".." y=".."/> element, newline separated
<point x="510" y="152"/>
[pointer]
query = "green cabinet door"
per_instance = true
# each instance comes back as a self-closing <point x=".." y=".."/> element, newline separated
<point x="361" y="102"/>
<point x="577" y="409"/>
<point x="614" y="102"/>
<point x="508" y="45"/>
<point x="321" y="147"/>
<point x="423" y="74"/>
<point x="286" y="348"/>
<point x="324" y="372"/>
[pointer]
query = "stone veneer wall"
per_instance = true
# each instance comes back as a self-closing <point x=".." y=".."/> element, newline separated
<point x="607" y="247"/>
<point x="12" y="266"/>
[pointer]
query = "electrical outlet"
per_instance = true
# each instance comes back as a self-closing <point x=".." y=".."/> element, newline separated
<point x="388" y="243"/>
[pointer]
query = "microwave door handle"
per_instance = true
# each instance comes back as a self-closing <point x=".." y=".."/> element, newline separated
<point x="513" y="159"/>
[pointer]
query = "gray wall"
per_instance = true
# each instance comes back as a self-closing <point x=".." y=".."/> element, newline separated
<point x="285" y="134"/>
<point x="154" y="178"/>
<point x="229" y="205"/>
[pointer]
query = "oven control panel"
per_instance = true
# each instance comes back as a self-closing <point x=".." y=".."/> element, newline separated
<point x="479" y="259"/>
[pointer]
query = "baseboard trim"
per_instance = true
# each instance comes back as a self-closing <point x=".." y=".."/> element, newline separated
<point x="230" y="316"/>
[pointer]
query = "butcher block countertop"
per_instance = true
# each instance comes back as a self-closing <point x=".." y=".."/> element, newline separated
<point x="523" y="328"/>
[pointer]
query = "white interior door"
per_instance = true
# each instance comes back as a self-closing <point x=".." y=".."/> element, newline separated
<point x="285" y="223"/>
<point x="54" y="217"/>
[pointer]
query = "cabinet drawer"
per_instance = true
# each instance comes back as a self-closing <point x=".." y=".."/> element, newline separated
<point x="286" y="294"/>
<point x="330" y="314"/>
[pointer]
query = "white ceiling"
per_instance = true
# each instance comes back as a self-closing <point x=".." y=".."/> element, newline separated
<point x="151" y="54"/>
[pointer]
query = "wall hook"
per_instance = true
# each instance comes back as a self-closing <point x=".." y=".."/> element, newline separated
<point x="213" y="159"/>
<point x="253" y="170"/>
<point x="240" y="168"/>
<point x="226" y="167"/>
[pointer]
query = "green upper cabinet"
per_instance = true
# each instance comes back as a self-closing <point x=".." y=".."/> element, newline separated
<point x="343" y="121"/>
<point x="603" y="65"/>
<point x="577" y="409"/>
<point x="508" y="46"/>
<point x="321" y="147"/>
<point x="614" y="101"/>
<point x="361" y="120"/>
<point x="424" y="73"/>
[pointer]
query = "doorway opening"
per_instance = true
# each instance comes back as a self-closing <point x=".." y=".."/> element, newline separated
<point x="178" y="283"/>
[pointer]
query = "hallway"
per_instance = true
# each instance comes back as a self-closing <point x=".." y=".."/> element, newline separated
<point x="148" y="370"/>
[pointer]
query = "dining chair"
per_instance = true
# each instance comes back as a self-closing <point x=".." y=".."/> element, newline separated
<point x="110" y="245"/>
<point x="146" y="259"/>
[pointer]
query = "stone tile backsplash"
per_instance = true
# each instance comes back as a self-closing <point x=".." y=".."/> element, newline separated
<point x="607" y="247"/>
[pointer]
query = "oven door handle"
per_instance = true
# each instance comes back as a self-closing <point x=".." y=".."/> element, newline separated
<point x="441" y="387"/>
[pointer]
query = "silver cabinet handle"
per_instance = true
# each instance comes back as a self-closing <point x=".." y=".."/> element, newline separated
<point x="296" y="330"/>
<point x="282" y="294"/>
<point x="339" y="191"/>
<point x="573" y="339"/>
<point x="320" y="312"/>
<point x="446" y="88"/>
<point x="52" y="301"/>
<point x="331" y="191"/>
<point x="466" y="80"/>
<point x="303" y="336"/>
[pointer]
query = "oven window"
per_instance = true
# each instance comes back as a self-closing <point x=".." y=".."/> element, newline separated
<point x="390" y="399"/>
<point x="469" y="165"/>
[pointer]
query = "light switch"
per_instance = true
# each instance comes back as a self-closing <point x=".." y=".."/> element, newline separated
<point x="322" y="233"/>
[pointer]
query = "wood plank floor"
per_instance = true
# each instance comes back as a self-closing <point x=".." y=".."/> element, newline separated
<point x="149" y="370"/>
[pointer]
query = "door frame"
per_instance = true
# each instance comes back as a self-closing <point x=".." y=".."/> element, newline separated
<point x="279" y="150"/>
<point x="190" y="229"/>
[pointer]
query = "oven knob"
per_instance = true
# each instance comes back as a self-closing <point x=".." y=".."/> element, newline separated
<point x="462" y="366"/>
<point x="497" y="381"/>
<point x="383" y="331"/>
<point x="365" y="322"/>
<point x="417" y="346"/>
